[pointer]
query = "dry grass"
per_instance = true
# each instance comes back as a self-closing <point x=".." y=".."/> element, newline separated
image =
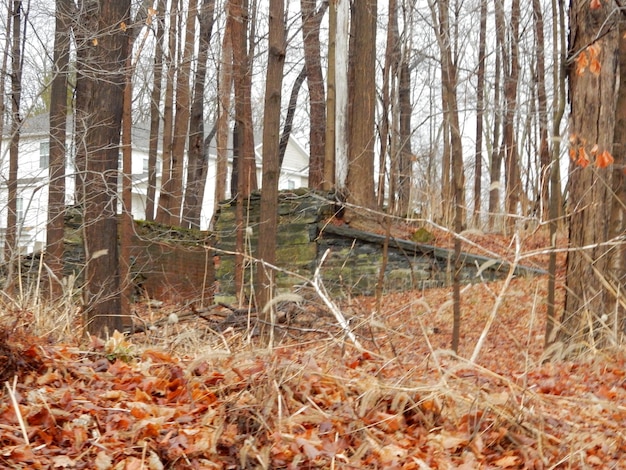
<point x="402" y="400"/>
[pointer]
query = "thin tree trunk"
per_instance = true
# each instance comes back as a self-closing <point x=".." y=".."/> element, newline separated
<point x="198" y="159"/>
<point x="165" y="196"/>
<point x="480" y="109"/>
<point x="331" y="102"/>
<point x="57" y="148"/>
<point x="224" y="105"/>
<point x="291" y="111"/>
<point x="266" y="250"/>
<point x="311" y="20"/>
<point x="10" y="248"/>
<point x="155" y="112"/>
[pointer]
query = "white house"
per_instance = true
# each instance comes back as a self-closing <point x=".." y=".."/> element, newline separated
<point x="33" y="178"/>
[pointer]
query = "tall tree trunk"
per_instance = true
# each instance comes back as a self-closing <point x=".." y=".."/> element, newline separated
<point x="244" y="166"/>
<point x="511" y="158"/>
<point x="105" y="60"/>
<point x="361" y="107"/>
<point x="480" y="109"/>
<point x="11" y="251"/>
<point x="495" y="166"/>
<point x="311" y="20"/>
<point x="197" y="166"/>
<point x="181" y="121"/>
<point x="164" y="212"/>
<point x="387" y="133"/>
<point x="545" y="156"/>
<point x="405" y="152"/>
<point x="225" y="86"/>
<point x="451" y="117"/>
<point x="155" y="111"/>
<point x="56" y="171"/>
<point x="342" y="33"/>
<point x="331" y="102"/>
<point x="266" y="250"/>
<point x="594" y="93"/>
<point x="617" y="227"/>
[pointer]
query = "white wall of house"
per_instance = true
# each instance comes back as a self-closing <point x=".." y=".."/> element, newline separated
<point x="33" y="181"/>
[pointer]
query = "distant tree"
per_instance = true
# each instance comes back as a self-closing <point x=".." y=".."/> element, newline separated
<point x="57" y="147"/>
<point x="103" y="58"/>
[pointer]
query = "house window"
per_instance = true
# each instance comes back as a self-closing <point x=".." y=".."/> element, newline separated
<point x="19" y="209"/>
<point x="44" y="154"/>
<point x="146" y="166"/>
<point x="291" y="184"/>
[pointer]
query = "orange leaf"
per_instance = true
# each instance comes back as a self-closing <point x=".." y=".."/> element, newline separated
<point x="595" y="4"/>
<point x="604" y="160"/>
<point x="595" y="66"/>
<point x="582" y="62"/>
<point x="583" y="158"/>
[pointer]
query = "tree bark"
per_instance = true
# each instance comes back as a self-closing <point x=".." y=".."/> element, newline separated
<point x="155" y="112"/>
<point x="103" y="69"/>
<point x="594" y="37"/>
<point x="197" y="159"/>
<point x="266" y="250"/>
<point x="55" y="228"/>
<point x="311" y="20"/>
<point x="362" y="104"/>
<point x="480" y="110"/>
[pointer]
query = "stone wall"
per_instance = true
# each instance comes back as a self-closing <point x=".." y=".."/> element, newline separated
<point x="354" y="258"/>
<point x="170" y="264"/>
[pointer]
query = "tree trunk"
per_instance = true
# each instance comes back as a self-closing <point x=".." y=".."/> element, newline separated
<point x="165" y="196"/>
<point x="495" y="166"/>
<point x="55" y="229"/>
<point x="589" y="305"/>
<point x="103" y="68"/>
<point x="331" y="102"/>
<point x="266" y="250"/>
<point x="361" y="104"/>
<point x="181" y="121"/>
<point x="155" y="112"/>
<point x="311" y="20"/>
<point x="197" y="159"/>
<point x="11" y="251"/>
<point x="513" y="182"/>
<point x="225" y="86"/>
<point x="480" y="109"/>
<point x="291" y="111"/>
<point x="342" y="34"/>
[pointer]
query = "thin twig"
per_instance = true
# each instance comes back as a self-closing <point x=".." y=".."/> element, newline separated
<point x="16" y="407"/>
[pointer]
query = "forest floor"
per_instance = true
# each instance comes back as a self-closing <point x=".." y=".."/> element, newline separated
<point x="196" y="393"/>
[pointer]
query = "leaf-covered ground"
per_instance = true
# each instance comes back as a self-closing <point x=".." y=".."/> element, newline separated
<point x="193" y="393"/>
